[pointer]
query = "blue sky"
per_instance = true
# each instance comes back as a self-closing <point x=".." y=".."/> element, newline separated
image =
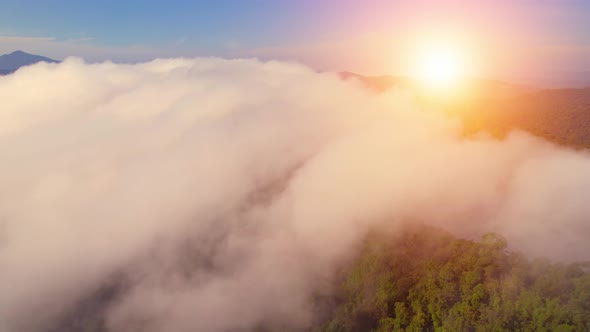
<point x="330" y="34"/>
<point x="204" y="24"/>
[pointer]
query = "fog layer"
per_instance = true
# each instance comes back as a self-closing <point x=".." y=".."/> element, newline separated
<point x="224" y="193"/>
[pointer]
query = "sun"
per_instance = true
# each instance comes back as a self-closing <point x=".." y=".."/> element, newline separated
<point x="439" y="66"/>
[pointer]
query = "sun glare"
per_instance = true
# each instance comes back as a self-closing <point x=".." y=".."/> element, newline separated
<point x="439" y="66"/>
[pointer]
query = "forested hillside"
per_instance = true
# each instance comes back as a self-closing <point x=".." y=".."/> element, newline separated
<point x="559" y="115"/>
<point x="424" y="279"/>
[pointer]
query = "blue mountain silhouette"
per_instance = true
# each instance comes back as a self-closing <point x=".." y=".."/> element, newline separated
<point x="13" y="61"/>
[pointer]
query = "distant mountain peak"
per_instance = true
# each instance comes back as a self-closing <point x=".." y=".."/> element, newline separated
<point x="12" y="61"/>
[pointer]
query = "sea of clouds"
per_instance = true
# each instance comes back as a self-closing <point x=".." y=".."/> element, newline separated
<point x="221" y="194"/>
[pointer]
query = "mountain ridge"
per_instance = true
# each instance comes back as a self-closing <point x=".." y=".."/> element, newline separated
<point x="560" y="115"/>
<point x="11" y="62"/>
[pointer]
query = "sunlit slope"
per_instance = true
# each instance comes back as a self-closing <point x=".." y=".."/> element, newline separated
<point x="560" y="115"/>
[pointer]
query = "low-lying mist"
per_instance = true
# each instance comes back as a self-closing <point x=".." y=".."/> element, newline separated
<point x="224" y="193"/>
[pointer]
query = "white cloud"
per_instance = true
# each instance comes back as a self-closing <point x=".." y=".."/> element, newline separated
<point x="222" y="193"/>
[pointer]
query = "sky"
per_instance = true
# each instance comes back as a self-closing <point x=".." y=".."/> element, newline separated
<point x="523" y="40"/>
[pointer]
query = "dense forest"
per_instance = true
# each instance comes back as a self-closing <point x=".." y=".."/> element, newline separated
<point x="424" y="279"/>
